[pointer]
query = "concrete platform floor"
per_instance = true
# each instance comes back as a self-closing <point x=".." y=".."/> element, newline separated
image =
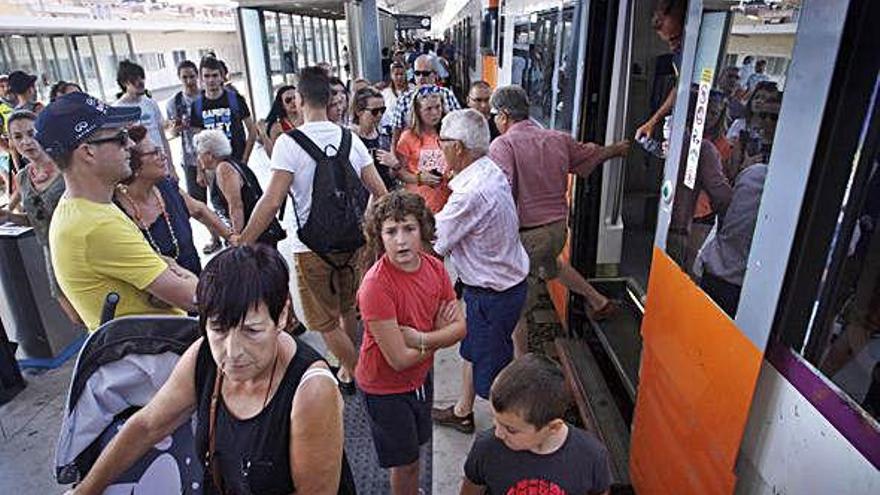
<point x="29" y="423"/>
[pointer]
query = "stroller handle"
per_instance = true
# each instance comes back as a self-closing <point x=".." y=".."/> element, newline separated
<point x="108" y="312"/>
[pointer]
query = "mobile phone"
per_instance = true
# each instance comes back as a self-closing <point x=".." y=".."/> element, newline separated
<point x="435" y="172"/>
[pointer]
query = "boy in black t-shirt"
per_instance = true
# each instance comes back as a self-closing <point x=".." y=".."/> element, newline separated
<point x="532" y="450"/>
<point x="221" y="107"/>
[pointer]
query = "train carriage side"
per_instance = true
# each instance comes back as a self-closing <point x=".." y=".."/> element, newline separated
<point x="777" y="395"/>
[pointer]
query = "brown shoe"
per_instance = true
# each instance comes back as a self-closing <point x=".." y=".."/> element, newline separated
<point x="605" y="312"/>
<point x="447" y="417"/>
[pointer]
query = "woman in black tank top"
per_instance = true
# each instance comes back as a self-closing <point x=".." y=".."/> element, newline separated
<point x="270" y="422"/>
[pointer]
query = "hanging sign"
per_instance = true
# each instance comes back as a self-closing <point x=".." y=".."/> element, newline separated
<point x="693" y="156"/>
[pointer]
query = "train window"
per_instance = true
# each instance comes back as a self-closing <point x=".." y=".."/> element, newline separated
<point x="487" y="31"/>
<point x="733" y="109"/>
<point x="566" y="70"/>
<point x="845" y="342"/>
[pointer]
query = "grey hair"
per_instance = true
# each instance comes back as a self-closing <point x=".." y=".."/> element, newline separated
<point x="213" y="141"/>
<point x="468" y="126"/>
<point x="512" y="100"/>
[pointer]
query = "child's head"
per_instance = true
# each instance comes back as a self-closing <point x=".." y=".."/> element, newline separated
<point x="529" y="398"/>
<point x="398" y="224"/>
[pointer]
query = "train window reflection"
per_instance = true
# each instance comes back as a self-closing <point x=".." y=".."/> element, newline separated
<point x="846" y="345"/>
<point x="735" y="97"/>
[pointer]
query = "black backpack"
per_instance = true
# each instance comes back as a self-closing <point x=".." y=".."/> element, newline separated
<point x="338" y="201"/>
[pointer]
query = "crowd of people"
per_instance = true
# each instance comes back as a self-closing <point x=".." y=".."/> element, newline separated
<point x="429" y="224"/>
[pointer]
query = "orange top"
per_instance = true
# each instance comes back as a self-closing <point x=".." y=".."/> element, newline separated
<point x="423" y="154"/>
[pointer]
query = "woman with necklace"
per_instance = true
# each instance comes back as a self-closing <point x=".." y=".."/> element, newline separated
<point x="159" y="208"/>
<point x="39" y="187"/>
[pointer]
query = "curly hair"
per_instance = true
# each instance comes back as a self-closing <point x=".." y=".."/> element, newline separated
<point x="397" y="205"/>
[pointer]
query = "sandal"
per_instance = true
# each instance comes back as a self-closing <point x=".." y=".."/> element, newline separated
<point x="447" y="417"/>
<point x="213" y="247"/>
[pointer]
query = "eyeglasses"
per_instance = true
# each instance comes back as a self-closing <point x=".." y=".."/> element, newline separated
<point x="423" y="73"/>
<point x="121" y="138"/>
<point x="446" y="140"/>
<point x="376" y="111"/>
<point x="157" y="151"/>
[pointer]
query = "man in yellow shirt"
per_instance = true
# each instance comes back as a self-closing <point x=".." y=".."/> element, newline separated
<point x="96" y="249"/>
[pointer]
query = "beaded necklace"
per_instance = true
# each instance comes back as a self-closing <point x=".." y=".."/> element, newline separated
<point x="145" y="228"/>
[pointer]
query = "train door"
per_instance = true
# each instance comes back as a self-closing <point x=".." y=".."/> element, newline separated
<point x="715" y="286"/>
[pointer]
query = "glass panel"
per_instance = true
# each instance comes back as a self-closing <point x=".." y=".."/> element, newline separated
<point x="65" y="65"/>
<point x="107" y="64"/>
<point x="566" y="71"/>
<point x="846" y="344"/>
<point x="731" y="123"/>
<point x="89" y="67"/>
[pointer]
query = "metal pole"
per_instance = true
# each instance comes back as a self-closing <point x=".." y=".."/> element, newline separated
<point x="131" y="52"/>
<point x="55" y="57"/>
<point x="77" y="74"/>
<point x="314" y="46"/>
<point x="326" y="39"/>
<point x="6" y="66"/>
<point x="113" y="50"/>
<point x="321" y="40"/>
<point x="30" y="51"/>
<point x="294" y="49"/>
<point x="305" y="43"/>
<point x="47" y="64"/>
<point x="97" y="67"/>
<point x="280" y="46"/>
<point x="11" y="50"/>
<point x="336" y="49"/>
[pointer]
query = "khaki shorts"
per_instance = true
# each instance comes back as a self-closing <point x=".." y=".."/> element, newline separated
<point x="543" y="245"/>
<point x="323" y="304"/>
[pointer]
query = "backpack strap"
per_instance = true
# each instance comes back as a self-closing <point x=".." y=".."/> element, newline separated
<point x="307" y="145"/>
<point x="232" y="98"/>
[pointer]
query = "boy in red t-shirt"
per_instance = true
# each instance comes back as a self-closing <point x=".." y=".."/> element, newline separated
<point x="409" y="309"/>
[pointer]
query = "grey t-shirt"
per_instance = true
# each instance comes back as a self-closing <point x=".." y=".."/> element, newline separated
<point x="579" y="467"/>
<point x="180" y="107"/>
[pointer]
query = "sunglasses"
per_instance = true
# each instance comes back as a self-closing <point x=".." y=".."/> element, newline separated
<point x="288" y="100"/>
<point x="376" y="111"/>
<point x="423" y="73"/>
<point x="121" y="138"/>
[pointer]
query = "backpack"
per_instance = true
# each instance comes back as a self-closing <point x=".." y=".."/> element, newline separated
<point x="338" y="201"/>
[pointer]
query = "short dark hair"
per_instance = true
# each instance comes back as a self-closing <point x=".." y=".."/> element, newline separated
<point x="533" y="387"/>
<point x="210" y="63"/>
<point x="128" y="71"/>
<point x="397" y="205"/>
<point x="59" y="88"/>
<point x="314" y="86"/>
<point x="480" y="84"/>
<point x="238" y="280"/>
<point x="187" y="64"/>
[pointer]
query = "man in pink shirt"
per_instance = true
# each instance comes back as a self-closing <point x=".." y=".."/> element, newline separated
<point x="537" y="163"/>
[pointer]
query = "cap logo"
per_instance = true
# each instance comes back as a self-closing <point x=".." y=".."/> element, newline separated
<point x="81" y="126"/>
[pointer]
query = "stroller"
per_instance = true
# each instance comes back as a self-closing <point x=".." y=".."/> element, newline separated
<point x="120" y="368"/>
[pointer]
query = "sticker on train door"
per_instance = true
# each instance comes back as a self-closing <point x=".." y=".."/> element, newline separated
<point x="693" y="156"/>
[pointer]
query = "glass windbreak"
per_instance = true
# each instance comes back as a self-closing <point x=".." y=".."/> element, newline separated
<point x="734" y="101"/>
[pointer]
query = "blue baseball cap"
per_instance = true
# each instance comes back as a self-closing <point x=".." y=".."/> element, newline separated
<point x="71" y="118"/>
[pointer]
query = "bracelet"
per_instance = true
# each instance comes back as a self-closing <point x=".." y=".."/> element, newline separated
<point x="421" y="343"/>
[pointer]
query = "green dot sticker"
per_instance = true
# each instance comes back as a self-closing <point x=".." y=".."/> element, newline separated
<point x="666" y="191"/>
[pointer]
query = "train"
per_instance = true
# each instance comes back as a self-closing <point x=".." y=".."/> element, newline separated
<point x="781" y="394"/>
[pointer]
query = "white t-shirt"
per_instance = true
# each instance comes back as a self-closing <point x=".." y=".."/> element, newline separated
<point x="151" y="117"/>
<point x="287" y="155"/>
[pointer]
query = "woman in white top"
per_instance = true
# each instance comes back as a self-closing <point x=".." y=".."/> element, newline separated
<point x="399" y="85"/>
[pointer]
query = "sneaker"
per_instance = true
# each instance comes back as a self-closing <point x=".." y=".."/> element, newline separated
<point x="605" y="312"/>
<point x="447" y="417"/>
